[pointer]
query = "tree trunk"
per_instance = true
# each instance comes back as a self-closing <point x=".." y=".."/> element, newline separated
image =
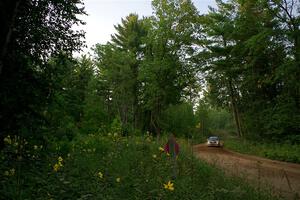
<point x="153" y="124"/>
<point x="10" y="18"/>
<point x="134" y="69"/>
<point x="235" y="109"/>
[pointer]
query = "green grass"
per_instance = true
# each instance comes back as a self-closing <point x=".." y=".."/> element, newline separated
<point x="141" y="168"/>
<point x="282" y="152"/>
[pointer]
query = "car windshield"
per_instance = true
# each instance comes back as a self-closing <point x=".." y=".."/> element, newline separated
<point x="213" y="138"/>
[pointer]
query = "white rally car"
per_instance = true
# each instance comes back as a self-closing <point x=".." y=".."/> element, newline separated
<point x="213" y="141"/>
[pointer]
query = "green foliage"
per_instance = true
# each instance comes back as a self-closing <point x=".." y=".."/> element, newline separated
<point x="249" y="64"/>
<point x="147" y="65"/>
<point x="220" y="119"/>
<point x="68" y="93"/>
<point x="212" y="120"/>
<point x="32" y="32"/>
<point x="116" y="126"/>
<point x="95" y="118"/>
<point x="119" y="64"/>
<point x="203" y="122"/>
<point x="167" y="73"/>
<point x="115" y="167"/>
<point x="288" y="151"/>
<point x="179" y="119"/>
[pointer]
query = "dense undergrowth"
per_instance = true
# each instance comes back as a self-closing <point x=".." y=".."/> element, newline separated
<point x="282" y="152"/>
<point x="111" y="167"/>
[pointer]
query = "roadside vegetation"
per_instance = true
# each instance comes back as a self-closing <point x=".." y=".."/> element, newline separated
<point x="288" y="152"/>
<point x="112" y="167"/>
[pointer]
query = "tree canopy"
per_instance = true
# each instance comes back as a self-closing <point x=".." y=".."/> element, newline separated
<point x="176" y="71"/>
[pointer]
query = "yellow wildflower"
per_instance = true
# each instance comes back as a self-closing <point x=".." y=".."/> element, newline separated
<point x="56" y="167"/>
<point x="168" y="154"/>
<point x="7" y="139"/>
<point x="59" y="164"/>
<point x="60" y="159"/>
<point x="100" y="175"/>
<point x="12" y="171"/>
<point x="154" y="156"/>
<point x="118" y="180"/>
<point x="161" y="149"/>
<point x="169" y="186"/>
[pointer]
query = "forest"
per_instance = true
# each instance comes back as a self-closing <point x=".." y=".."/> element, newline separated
<point x="235" y="69"/>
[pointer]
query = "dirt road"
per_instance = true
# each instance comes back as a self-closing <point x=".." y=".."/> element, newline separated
<point x="283" y="178"/>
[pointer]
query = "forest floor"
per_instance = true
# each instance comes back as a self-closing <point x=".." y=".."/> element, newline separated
<point x="281" y="177"/>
